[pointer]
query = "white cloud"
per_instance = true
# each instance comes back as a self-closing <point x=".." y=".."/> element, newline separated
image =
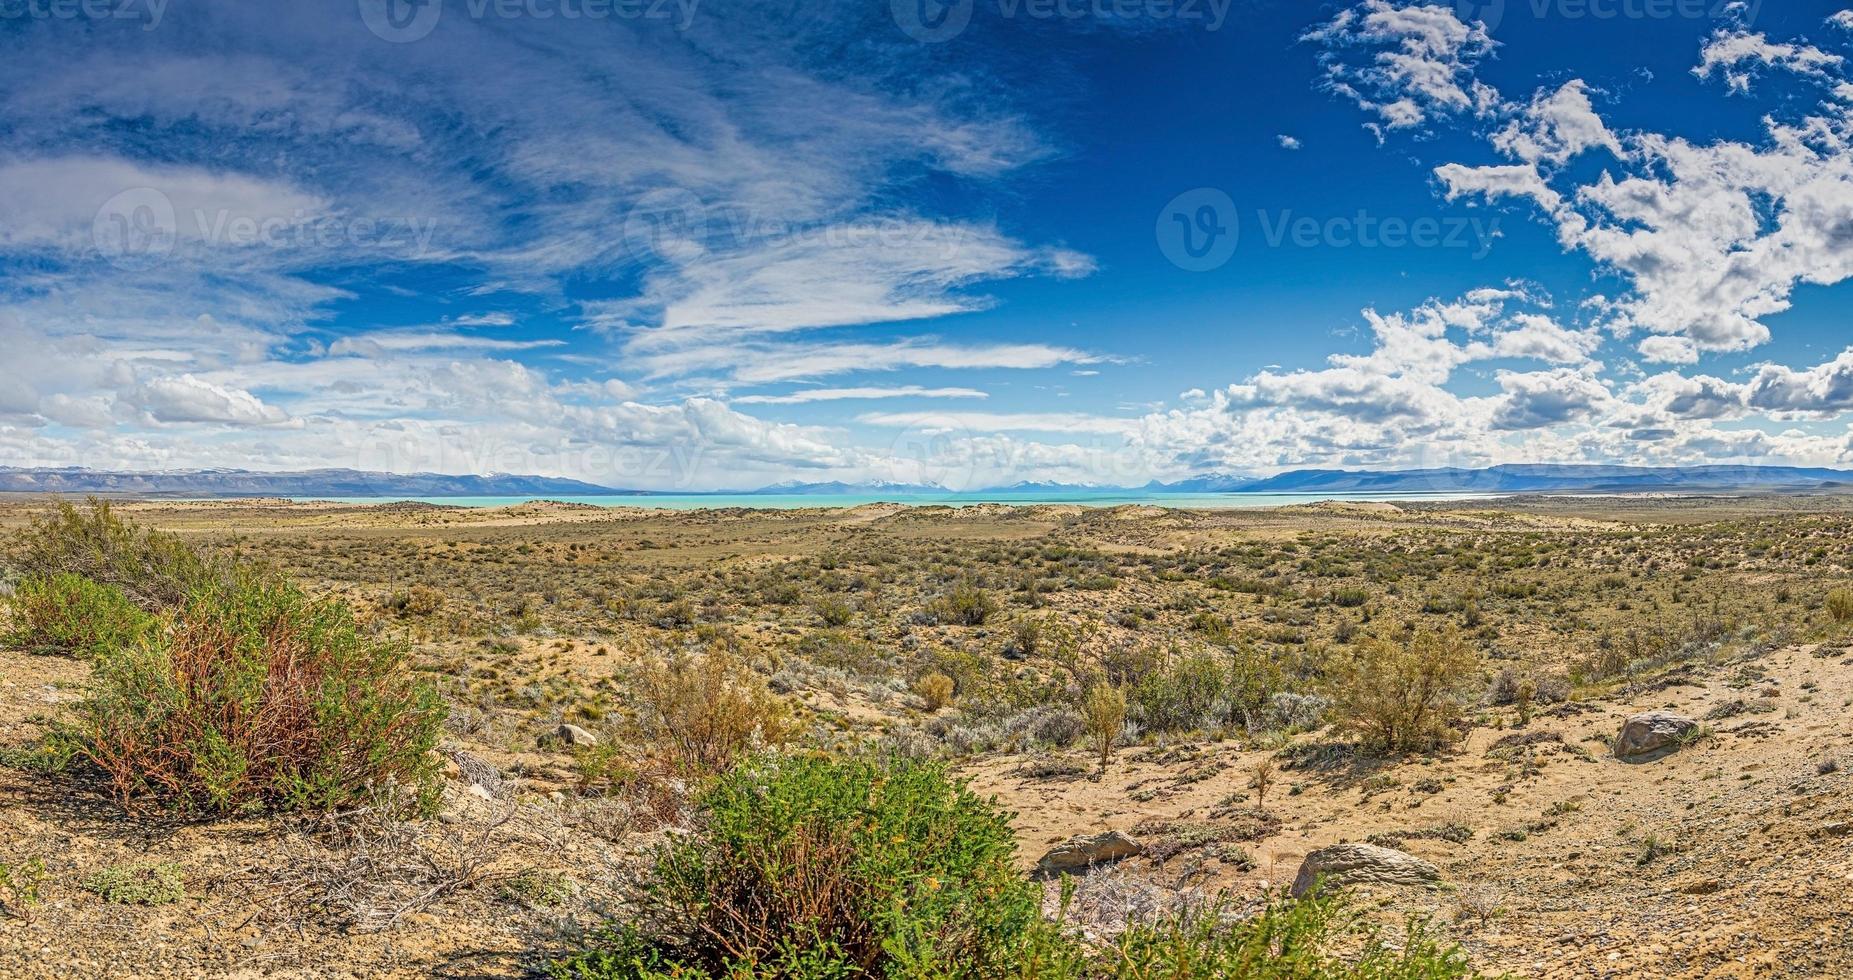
<point x="189" y="399"/>
<point x="1002" y="421"/>
<point x="792" y="361"/>
<point x="1516" y="180"/>
<point x="1825" y="389"/>
<point x="1414" y="61"/>
<point x="1730" y="50"/>
<point x="1541" y="399"/>
<point x="842" y="394"/>
<point x="1555" y="127"/>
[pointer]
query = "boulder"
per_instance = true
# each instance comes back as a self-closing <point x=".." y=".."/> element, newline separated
<point x="1362" y="864"/>
<point x="1652" y="734"/>
<point x="1086" y="851"/>
<point x="574" y="735"/>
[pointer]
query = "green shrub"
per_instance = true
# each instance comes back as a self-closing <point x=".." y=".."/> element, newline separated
<point x="257" y="697"/>
<point x="833" y="611"/>
<point x="807" y="867"/>
<point x="1185" y="695"/>
<point x="1404" y="696"/>
<point x="811" y="869"/>
<point x="68" y="614"/>
<point x="20" y="885"/>
<point x="1312" y="938"/>
<point x="153" y="569"/>
<point x="964" y="605"/>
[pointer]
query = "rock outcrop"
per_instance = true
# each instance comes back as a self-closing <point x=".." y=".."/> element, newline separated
<point x="1652" y="734"/>
<point x="1362" y="864"/>
<point x="573" y="735"/>
<point x="1081" y="853"/>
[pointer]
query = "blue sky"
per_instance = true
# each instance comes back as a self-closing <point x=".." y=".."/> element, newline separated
<point x="693" y="244"/>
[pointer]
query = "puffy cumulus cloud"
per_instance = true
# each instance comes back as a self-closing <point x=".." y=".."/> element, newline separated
<point x="1712" y="238"/>
<point x="1735" y="52"/>
<point x="1555" y="127"/>
<point x="189" y="399"/>
<point x="1405" y="62"/>
<point x="1536" y="337"/>
<point x="1497" y="181"/>
<point x="1540" y="399"/>
<point x="1825" y="389"/>
<point x="1671" y="396"/>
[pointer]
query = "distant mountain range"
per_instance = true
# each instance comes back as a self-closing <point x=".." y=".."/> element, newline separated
<point x="1524" y="478"/>
<point x="1535" y="478"/>
<point x="301" y="483"/>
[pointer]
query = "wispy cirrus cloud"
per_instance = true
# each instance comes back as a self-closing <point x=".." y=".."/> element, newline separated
<point x="812" y="395"/>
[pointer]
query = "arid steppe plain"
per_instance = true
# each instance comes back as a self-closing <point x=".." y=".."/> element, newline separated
<point x="975" y="636"/>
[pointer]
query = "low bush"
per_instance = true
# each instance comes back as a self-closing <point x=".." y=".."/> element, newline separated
<point x="417" y="601"/>
<point x="1313" y="938"/>
<point x="703" y="712"/>
<point x="936" y="690"/>
<point x="258" y="697"/>
<point x="138" y="884"/>
<point x="68" y="614"/>
<point x="964" y="604"/>
<point x="1840" y="605"/>
<point x="807" y="868"/>
<point x="1404" y="696"/>
<point x="1103" y="714"/>
<point x="153" y="569"/>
